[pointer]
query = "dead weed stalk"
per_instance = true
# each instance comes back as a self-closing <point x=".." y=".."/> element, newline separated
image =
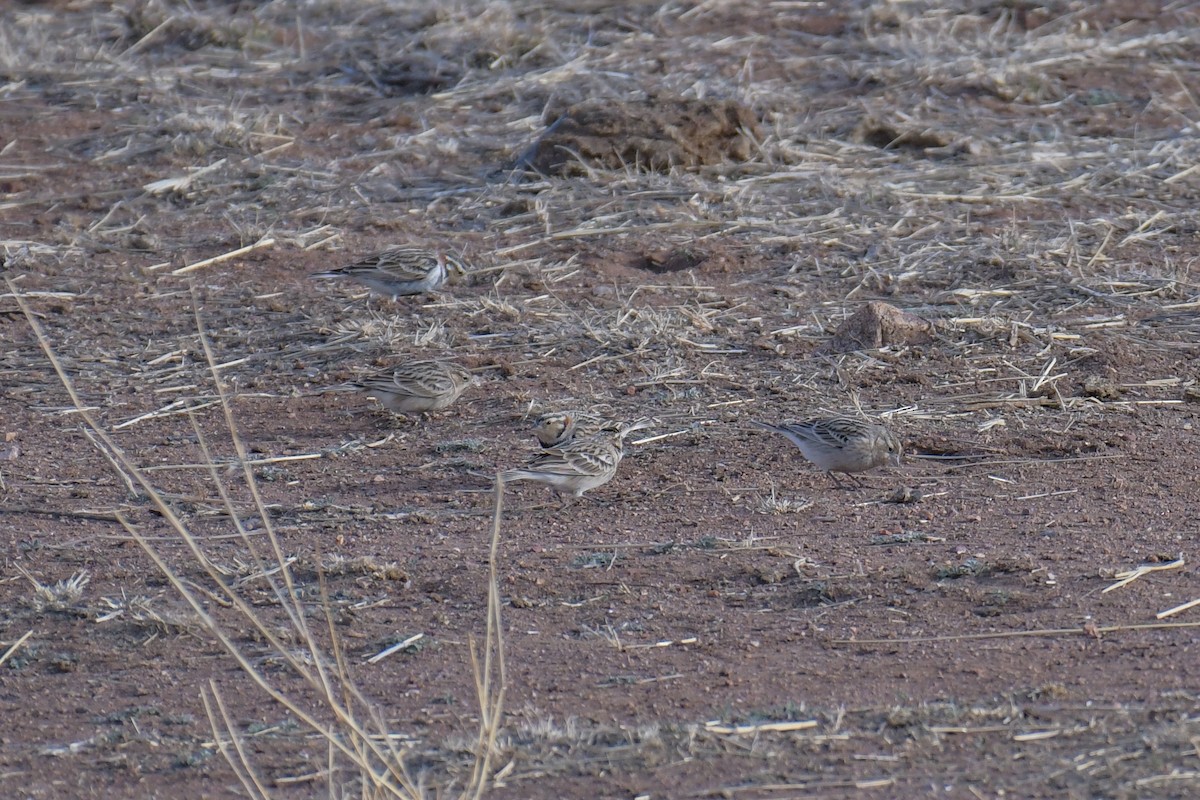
<point x="361" y="750"/>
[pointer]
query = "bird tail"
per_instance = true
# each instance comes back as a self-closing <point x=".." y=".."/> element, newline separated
<point x="341" y="387"/>
<point x="624" y="430"/>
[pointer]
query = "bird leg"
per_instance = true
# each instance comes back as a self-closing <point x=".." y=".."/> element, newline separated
<point x="857" y="483"/>
<point x="565" y="500"/>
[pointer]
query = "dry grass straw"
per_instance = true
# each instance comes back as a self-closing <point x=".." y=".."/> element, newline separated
<point x="1094" y="631"/>
<point x="1129" y="576"/>
<point x="765" y="727"/>
<point x="355" y="732"/>
<point x="490" y="675"/>
<point x="1170" y="612"/>
<point x="14" y="647"/>
<point x="232" y="254"/>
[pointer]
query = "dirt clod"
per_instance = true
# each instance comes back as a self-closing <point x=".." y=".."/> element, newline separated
<point x="655" y="134"/>
<point x="878" y="324"/>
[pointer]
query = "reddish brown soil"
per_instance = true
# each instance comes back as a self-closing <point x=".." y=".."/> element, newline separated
<point x="961" y="645"/>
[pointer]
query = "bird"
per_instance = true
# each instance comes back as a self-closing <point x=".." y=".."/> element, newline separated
<point x="417" y="387"/>
<point x="400" y="271"/>
<point x="556" y="428"/>
<point x="842" y="444"/>
<point x="579" y="465"/>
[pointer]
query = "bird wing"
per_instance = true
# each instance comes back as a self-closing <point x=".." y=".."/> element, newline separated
<point x="831" y="432"/>
<point x="836" y="431"/>
<point x="575" y="461"/>
<point x="423" y="383"/>
<point x="406" y="264"/>
<point x="593" y="462"/>
<point x="400" y="264"/>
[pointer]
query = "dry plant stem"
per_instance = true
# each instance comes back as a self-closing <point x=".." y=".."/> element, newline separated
<point x="288" y="593"/>
<point x="491" y="707"/>
<point x="780" y="727"/>
<point x="1170" y="612"/>
<point x="334" y="738"/>
<point x="129" y="487"/>
<point x="14" y="648"/>
<point x="340" y="662"/>
<point x="175" y="407"/>
<point x="224" y="256"/>
<point x="350" y="693"/>
<point x="289" y="600"/>
<point x="1129" y="576"/>
<point x="258" y="462"/>
<point x="294" y="609"/>
<point x="1148" y="626"/>
<point x="239" y="764"/>
<point x="212" y="626"/>
<point x="387" y="651"/>
<point x="45" y="512"/>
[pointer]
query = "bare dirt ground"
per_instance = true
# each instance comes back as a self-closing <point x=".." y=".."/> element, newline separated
<point x="1022" y="174"/>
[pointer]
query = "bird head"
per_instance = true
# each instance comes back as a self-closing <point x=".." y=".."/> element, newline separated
<point x="456" y="269"/>
<point x="891" y="446"/>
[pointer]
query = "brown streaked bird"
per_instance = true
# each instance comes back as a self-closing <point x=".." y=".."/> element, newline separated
<point x="579" y="465"/>
<point x="556" y="428"/>
<point x="842" y="444"/>
<point x="400" y="271"/>
<point x="418" y="387"/>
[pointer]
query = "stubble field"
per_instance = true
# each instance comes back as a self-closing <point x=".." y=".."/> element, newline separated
<point x="719" y="620"/>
